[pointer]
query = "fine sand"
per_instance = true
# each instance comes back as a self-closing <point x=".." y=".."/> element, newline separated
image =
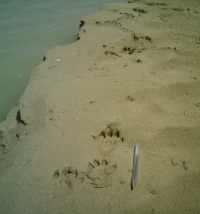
<point x="132" y="78"/>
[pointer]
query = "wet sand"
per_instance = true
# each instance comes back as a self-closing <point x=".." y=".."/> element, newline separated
<point x="132" y="78"/>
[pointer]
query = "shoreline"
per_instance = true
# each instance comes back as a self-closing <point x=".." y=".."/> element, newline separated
<point x="10" y="122"/>
<point x="132" y="78"/>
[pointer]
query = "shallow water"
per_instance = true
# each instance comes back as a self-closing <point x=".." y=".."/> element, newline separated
<point x="27" y="30"/>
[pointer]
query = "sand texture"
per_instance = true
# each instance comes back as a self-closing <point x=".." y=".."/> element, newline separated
<point x="132" y="78"/>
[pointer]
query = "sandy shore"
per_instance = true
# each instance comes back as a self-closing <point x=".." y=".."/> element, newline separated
<point x="132" y="78"/>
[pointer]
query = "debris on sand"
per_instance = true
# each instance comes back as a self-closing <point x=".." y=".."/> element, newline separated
<point x="19" y="118"/>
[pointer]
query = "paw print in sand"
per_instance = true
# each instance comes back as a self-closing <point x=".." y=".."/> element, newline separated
<point x="111" y="134"/>
<point x="100" y="173"/>
<point x="69" y="176"/>
<point x="109" y="138"/>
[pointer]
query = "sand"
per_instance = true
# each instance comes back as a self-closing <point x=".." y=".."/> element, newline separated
<point x="132" y="78"/>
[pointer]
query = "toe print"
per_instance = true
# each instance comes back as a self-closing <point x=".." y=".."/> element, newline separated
<point x="69" y="176"/>
<point x="100" y="173"/>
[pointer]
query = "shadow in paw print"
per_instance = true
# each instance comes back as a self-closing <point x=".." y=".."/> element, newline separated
<point x="111" y="131"/>
<point x="100" y="173"/>
<point x="139" y="10"/>
<point x="156" y="4"/>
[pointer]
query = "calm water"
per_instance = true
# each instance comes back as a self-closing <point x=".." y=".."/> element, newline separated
<point x="27" y="29"/>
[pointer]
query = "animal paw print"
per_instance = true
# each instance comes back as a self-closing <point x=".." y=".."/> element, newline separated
<point x="108" y="139"/>
<point x="100" y="173"/>
<point x="111" y="134"/>
<point x="69" y="176"/>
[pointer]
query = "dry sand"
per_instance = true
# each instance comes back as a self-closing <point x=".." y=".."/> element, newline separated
<point x="133" y="77"/>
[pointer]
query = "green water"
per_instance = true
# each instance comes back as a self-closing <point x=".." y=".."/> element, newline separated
<point x="28" y="28"/>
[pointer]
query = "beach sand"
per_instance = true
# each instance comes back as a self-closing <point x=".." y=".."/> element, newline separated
<point x="132" y="78"/>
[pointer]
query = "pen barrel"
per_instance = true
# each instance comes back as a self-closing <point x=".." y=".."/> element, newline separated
<point x="135" y="165"/>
